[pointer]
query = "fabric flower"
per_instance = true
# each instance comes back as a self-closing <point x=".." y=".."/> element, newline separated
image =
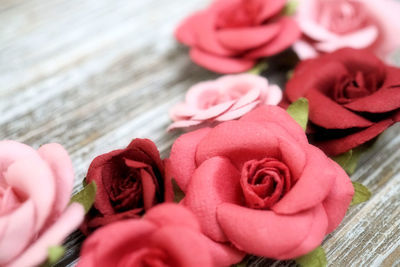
<point x="353" y="97"/>
<point x="226" y="98"/>
<point x="258" y="184"/>
<point x="35" y="188"/>
<point x="129" y="182"/>
<point x="230" y="35"/>
<point x="329" y="25"/>
<point x="168" y="235"/>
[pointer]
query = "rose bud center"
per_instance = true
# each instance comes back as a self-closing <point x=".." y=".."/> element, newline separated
<point x="355" y="86"/>
<point x="342" y="16"/>
<point x="264" y="182"/>
<point x="126" y="190"/>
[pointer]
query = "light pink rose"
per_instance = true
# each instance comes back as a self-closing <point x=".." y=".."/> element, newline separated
<point x="329" y="25"/>
<point x="35" y="188"/>
<point x="224" y="99"/>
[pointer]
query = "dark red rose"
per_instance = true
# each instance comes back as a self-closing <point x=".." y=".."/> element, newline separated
<point x="353" y="97"/>
<point x="129" y="182"/>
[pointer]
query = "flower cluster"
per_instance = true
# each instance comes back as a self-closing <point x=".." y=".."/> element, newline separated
<point x="252" y="175"/>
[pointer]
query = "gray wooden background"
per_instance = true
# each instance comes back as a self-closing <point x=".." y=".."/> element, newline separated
<point x="93" y="74"/>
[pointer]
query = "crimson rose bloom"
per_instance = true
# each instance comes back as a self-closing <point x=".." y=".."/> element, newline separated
<point x="129" y="182"/>
<point x="258" y="184"/>
<point x="353" y="97"/>
<point x="168" y="235"/>
<point x="230" y="35"/>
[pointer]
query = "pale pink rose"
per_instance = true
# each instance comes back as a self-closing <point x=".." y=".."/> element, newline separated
<point x="35" y="188"/>
<point x="329" y="25"/>
<point x="227" y="98"/>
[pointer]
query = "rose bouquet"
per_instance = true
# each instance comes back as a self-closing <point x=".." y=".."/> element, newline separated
<point x="260" y="171"/>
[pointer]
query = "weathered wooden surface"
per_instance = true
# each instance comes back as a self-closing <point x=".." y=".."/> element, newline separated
<point x="93" y="74"/>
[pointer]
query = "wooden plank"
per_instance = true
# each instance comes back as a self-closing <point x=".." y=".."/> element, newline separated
<point x="92" y="75"/>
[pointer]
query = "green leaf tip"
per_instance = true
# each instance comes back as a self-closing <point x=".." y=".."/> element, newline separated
<point x="178" y="193"/>
<point x="86" y="196"/>
<point x="299" y="112"/>
<point x="259" y="68"/>
<point x="55" y="253"/>
<point x="361" y="194"/>
<point x="290" y="7"/>
<point x="315" y="258"/>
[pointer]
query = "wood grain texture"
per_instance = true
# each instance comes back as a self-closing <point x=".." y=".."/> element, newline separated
<point x="93" y="74"/>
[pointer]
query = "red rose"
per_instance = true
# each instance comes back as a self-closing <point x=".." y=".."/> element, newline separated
<point x="129" y="182"/>
<point x="168" y="235"/>
<point x="353" y="97"/>
<point x="258" y="184"/>
<point x="230" y="35"/>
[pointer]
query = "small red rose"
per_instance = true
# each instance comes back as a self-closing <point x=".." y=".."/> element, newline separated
<point x="230" y="35"/>
<point x="353" y="97"/>
<point x="258" y="184"/>
<point x="129" y="182"/>
<point x="167" y="235"/>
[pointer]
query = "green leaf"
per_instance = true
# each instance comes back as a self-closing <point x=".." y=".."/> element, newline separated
<point x="349" y="160"/>
<point x="55" y="253"/>
<point x="361" y="194"/>
<point x="86" y="196"/>
<point x="259" y="68"/>
<point x="178" y="193"/>
<point x="290" y="8"/>
<point x="315" y="258"/>
<point x="299" y="112"/>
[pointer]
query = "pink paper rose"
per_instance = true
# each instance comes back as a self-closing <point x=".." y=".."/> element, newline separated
<point x="329" y="25"/>
<point x="167" y="235"/>
<point x="35" y="188"/>
<point x="230" y="35"/>
<point x="224" y="99"/>
<point x="258" y="184"/>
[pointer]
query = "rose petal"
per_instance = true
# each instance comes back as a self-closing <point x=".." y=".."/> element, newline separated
<point x="381" y="101"/>
<point x="213" y="111"/>
<point x="239" y="141"/>
<point x="149" y="189"/>
<point x="264" y="233"/>
<point x="183" y="124"/>
<point x="309" y="76"/>
<point x="170" y="214"/>
<point x="289" y="33"/>
<point x="237" y="113"/>
<point x="269" y="8"/>
<point x="185" y="33"/>
<point x="318" y="177"/>
<point x="247" y="37"/>
<point x="304" y="50"/>
<point x="95" y="173"/>
<point x="11" y="151"/>
<point x="183" y="246"/>
<point x="274" y="114"/>
<point x="54" y="235"/>
<point x="60" y="163"/>
<point x="315" y="31"/>
<point x="147" y="147"/>
<point x="314" y="237"/>
<point x="206" y="35"/>
<point x="182" y="157"/>
<point x="223" y="255"/>
<point x="34" y="180"/>
<point x="221" y="64"/>
<point x="292" y="154"/>
<point x="274" y="95"/>
<point x="97" y="249"/>
<point x="330" y="115"/>
<point x="16" y="231"/>
<point x="339" y="198"/>
<point x="359" y="39"/>
<point x="200" y="92"/>
<point x="216" y="181"/>
<point x="341" y="145"/>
